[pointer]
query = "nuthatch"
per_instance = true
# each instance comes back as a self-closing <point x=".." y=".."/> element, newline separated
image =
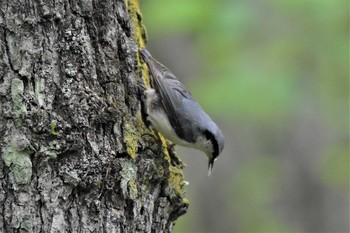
<point x="173" y="112"/>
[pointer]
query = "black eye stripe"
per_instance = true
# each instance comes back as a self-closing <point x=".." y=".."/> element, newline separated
<point x="210" y="136"/>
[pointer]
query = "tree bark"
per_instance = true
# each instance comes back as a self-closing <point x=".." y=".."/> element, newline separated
<point x="75" y="153"/>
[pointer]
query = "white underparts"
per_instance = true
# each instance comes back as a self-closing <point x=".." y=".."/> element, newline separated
<point x="159" y="120"/>
<point x="161" y="123"/>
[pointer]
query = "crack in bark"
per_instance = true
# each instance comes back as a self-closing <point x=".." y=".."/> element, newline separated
<point x="7" y="48"/>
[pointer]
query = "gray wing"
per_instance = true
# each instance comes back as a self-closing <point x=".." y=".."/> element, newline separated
<point x="172" y="93"/>
<point x="175" y="98"/>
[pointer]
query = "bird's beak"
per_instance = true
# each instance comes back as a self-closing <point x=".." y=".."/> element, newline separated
<point x="210" y="165"/>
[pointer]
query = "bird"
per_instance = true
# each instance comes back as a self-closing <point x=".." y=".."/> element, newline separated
<point x="172" y="111"/>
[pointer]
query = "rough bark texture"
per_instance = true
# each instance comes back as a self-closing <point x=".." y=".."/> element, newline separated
<point x="75" y="153"/>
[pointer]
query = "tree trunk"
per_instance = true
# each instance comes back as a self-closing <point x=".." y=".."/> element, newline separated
<point x="75" y="153"/>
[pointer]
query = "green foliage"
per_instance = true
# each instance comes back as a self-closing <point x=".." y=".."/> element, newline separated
<point x="249" y="96"/>
<point x="254" y="191"/>
<point x="335" y="167"/>
<point x="264" y="63"/>
<point x="177" y="15"/>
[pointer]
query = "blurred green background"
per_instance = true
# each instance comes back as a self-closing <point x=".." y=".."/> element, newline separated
<point x="274" y="75"/>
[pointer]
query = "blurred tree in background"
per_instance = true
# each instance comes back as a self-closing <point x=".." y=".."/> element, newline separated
<point x="274" y="74"/>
